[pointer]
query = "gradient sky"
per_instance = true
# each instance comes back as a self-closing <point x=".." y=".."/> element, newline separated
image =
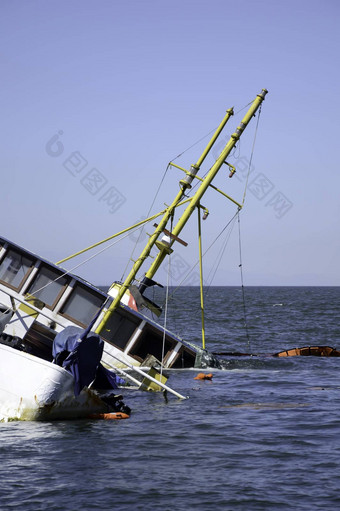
<point x="129" y="85"/>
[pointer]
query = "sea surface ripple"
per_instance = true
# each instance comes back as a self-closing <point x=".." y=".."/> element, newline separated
<point x="262" y="435"/>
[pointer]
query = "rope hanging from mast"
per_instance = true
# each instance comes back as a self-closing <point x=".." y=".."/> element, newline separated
<point x="164" y="250"/>
<point x="230" y="224"/>
<point x="242" y="283"/>
<point x="251" y="155"/>
<point x="166" y="302"/>
<point x="142" y="229"/>
<point x="237" y="215"/>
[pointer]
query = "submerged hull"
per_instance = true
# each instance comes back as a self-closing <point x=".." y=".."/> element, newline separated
<point x="34" y="389"/>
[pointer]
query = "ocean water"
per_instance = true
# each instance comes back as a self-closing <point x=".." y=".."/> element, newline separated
<point x="264" y="434"/>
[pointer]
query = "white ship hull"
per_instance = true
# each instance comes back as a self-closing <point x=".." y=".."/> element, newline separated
<point x="34" y="389"/>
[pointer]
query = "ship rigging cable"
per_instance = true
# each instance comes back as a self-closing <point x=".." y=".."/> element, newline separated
<point x="166" y="301"/>
<point x="251" y="155"/>
<point x="242" y="285"/>
<point x="205" y="136"/>
<point x="142" y="228"/>
<point x="237" y="215"/>
<point x="71" y="270"/>
<point x="230" y="223"/>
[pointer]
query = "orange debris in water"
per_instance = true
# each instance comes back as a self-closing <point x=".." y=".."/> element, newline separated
<point x="203" y="376"/>
<point x="109" y="416"/>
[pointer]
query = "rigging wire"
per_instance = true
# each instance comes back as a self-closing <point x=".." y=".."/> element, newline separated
<point x="242" y="284"/>
<point x="192" y="189"/>
<point x="156" y="194"/>
<point x="148" y="214"/>
<point x="207" y="135"/>
<point x="238" y="149"/>
<point x="193" y="145"/>
<point x="230" y="222"/>
<point x="239" y="231"/>
<point x="71" y="271"/>
<point x="251" y="155"/>
<point x="219" y="257"/>
<point x="166" y="303"/>
<point x="142" y="228"/>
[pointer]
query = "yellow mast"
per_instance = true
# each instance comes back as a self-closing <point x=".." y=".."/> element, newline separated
<point x="208" y="179"/>
<point x="201" y="274"/>
<point x="185" y="184"/>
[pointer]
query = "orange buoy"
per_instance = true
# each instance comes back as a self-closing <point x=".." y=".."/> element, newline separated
<point x="203" y="376"/>
<point x="109" y="416"/>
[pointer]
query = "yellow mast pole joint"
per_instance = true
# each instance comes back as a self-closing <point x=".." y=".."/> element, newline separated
<point x="225" y="119"/>
<point x="186" y="183"/>
<point x="209" y="177"/>
<point x="162" y="225"/>
<point x="212" y="186"/>
<point x="192" y="204"/>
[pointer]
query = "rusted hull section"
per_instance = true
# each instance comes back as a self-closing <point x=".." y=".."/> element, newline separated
<point x="310" y="351"/>
<point x="306" y="351"/>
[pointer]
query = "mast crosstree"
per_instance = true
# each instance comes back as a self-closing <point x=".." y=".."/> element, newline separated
<point x="165" y="244"/>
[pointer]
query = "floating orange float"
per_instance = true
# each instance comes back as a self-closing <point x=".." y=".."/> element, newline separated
<point x="109" y="416"/>
<point x="204" y="376"/>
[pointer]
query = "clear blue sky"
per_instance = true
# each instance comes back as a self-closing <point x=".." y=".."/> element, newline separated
<point x="129" y="85"/>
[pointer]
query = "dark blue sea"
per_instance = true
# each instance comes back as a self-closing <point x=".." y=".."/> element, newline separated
<point x="264" y="434"/>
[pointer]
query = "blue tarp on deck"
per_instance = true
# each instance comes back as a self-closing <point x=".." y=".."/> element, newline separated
<point x="80" y="353"/>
